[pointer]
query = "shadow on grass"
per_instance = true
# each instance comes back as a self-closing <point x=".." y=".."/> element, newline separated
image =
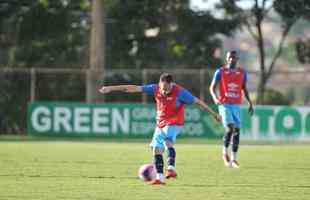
<point x="137" y="139"/>
<point x="63" y="176"/>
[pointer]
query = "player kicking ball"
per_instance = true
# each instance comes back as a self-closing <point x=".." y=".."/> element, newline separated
<point x="170" y="100"/>
<point x="232" y="80"/>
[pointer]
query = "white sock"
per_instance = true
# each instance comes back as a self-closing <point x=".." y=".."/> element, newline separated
<point x="225" y="150"/>
<point x="233" y="155"/>
<point x="171" y="167"/>
<point x="160" y="177"/>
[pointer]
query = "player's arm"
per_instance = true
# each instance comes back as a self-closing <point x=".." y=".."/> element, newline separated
<point x="187" y="98"/>
<point x="120" y="88"/>
<point x="247" y="96"/>
<point x="213" y="87"/>
<point x="206" y="108"/>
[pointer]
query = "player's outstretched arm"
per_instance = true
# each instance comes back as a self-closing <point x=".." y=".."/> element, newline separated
<point x="205" y="107"/>
<point x="120" y="88"/>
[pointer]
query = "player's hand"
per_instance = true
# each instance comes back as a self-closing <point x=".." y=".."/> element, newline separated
<point x="217" y="117"/>
<point x="104" y="90"/>
<point x="251" y="109"/>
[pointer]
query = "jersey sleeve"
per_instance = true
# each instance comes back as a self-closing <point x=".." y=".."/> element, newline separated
<point x="149" y="89"/>
<point x="186" y="97"/>
<point x="217" y="75"/>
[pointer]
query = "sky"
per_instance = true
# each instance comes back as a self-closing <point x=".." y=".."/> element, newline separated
<point x="202" y="4"/>
<point x="209" y="4"/>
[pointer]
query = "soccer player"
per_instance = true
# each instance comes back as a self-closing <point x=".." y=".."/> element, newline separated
<point x="232" y="82"/>
<point x="170" y="102"/>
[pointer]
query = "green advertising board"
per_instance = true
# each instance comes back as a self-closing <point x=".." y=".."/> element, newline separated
<point x="138" y="120"/>
<point x="277" y="123"/>
<point x="132" y="120"/>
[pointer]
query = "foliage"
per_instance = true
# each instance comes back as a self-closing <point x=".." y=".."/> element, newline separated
<point x="303" y="50"/>
<point x="44" y="33"/>
<point x="253" y="17"/>
<point x="274" y="97"/>
<point x="181" y="37"/>
<point x="299" y="95"/>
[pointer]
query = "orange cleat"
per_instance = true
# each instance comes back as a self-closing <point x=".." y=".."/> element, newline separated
<point x="171" y="173"/>
<point x="157" y="182"/>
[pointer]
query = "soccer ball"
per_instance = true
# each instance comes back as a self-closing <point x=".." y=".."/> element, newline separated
<point x="147" y="172"/>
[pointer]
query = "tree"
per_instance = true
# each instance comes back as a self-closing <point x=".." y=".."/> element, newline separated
<point x="303" y="50"/>
<point x="40" y="33"/>
<point x="97" y="49"/>
<point x="253" y="17"/>
<point x="163" y="34"/>
<point x="44" y="33"/>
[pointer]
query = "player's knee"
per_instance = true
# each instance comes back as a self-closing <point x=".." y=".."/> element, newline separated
<point x="230" y="128"/>
<point x="168" y="143"/>
<point x="158" y="151"/>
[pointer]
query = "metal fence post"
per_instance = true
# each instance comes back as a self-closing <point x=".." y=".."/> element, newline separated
<point x="88" y="85"/>
<point x="32" y="84"/>
<point x="202" y="73"/>
<point x="144" y="82"/>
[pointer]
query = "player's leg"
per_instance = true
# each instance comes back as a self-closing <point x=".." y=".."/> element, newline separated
<point x="159" y="165"/>
<point x="235" y="136"/>
<point x="235" y="147"/>
<point x="228" y="122"/>
<point x="171" y="133"/>
<point x="158" y="147"/>
<point x="226" y="142"/>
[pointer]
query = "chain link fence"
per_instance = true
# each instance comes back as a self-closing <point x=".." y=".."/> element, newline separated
<point x="21" y="86"/>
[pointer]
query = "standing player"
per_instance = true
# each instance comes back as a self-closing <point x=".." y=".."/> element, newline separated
<point x="232" y="81"/>
<point x="170" y="102"/>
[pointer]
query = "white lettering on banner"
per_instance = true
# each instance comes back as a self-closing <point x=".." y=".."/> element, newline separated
<point x="142" y="128"/>
<point x="62" y="117"/>
<point x="192" y="114"/>
<point x="82" y="120"/>
<point x="143" y="113"/>
<point x="277" y="122"/>
<point x="101" y="120"/>
<point x="192" y="129"/>
<point x="120" y="121"/>
<point x="41" y="119"/>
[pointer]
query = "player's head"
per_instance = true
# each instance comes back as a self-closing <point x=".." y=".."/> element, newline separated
<point x="232" y="59"/>
<point x="165" y="83"/>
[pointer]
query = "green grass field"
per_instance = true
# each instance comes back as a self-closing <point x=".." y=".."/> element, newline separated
<point x="108" y="171"/>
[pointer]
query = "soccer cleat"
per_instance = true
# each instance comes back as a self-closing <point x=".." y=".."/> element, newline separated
<point x="226" y="160"/>
<point x="170" y="173"/>
<point x="157" y="182"/>
<point x="235" y="164"/>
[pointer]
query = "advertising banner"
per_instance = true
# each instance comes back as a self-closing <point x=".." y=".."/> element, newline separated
<point x="138" y="120"/>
